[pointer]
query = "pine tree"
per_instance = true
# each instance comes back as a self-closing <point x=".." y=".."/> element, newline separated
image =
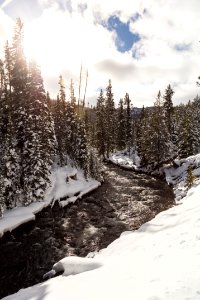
<point x="62" y="122"/>
<point x="144" y="141"/>
<point x="2" y="203"/>
<point x="168" y="109"/>
<point x="91" y="137"/>
<point x="187" y="137"/>
<point x="100" y="125"/>
<point x="71" y="125"/>
<point x="194" y="111"/>
<point x="155" y="146"/>
<point x="18" y="86"/>
<point x="140" y="136"/>
<point x="128" y="124"/>
<point x="87" y="125"/>
<point x="9" y="180"/>
<point x="121" y="126"/>
<point x="70" y="130"/>
<point x="81" y="151"/>
<point x="110" y="120"/>
<point x="163" y="148"/>
<point x="94" y="166"/>
<point x="39" y="143"/>
<point x="8" y="66"/>
<point x="3" y="129"/>
<point x="4" y="106"/>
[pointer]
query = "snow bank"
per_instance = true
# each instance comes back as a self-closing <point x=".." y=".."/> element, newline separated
<point x="122" y="158"/>
<point x="74" y="265"/>
<point x="177" y="175"/>
<point x="59" y="188"/>
<point x="160" y="261"/>
<point x="91" y="186"/>
<point x="19" y="215"/>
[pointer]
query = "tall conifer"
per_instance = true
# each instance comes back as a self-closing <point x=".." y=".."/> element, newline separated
<point x="110" y="120"/>
<point x="128" y="132"/>
<point x="100" y="125"/>
<point x="121" y="126"/>
<point x="168" y="109"/>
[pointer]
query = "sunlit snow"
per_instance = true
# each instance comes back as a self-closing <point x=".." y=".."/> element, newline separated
<point x="160" y="261"/>
<point x="58" y="189"/>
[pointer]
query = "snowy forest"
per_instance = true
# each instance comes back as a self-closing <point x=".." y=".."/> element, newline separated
<point x="99" y="150"/>
<point x="36" y="131"/>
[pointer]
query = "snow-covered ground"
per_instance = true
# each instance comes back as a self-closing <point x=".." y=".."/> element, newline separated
<point x="177" y="175"/>
<point x="122" y="158"/>
<point x="74" y="188"/>
<point x="160" y="261"/>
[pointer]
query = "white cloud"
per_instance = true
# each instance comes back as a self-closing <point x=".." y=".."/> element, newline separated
<point x="69" y="33"/>
<point x="6" y="25"/>
<point x="6" y="3"/>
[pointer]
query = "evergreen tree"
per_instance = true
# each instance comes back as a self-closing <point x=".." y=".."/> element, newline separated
<point x="60" y="123"/>
<point x="3" y="116"/>
<point x="81" y="152"/>
<point x="91" y="136"/>
<point x="140" y="136"/>
<point x="187" y="135"/>
<point x="29" y="134"/>
<point x="2" y="77"/>
<point x="94" y="166"/>
<point x="100" y="125"/>
<point x="75" y="135"/>
<point x="48" y="135"/>
<point x="8" y="66"/>
<point x="70" y="130"/>
<point x="87" y="125"/>
<point x="128" y="130"/>
<point x="9" y="180"/>
<point x="4" y="106"/>
<point x="18" y="85"/>
<point x="194" y="111"/>
<point x="163" y="149"/>
<point x="110" y="120"/>
<point x="144" y="137"/>
<point x="39" y="143"/>
<point x="121" y="126"/>
<point x="168" y="109"/>
<point x="2" y="203"/>
<point x="71" y="125"/>
<point x="155" y="146"/>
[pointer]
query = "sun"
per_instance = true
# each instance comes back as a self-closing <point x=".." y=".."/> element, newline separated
<point x="52" y="43"/>
<point x="41" y="44"/>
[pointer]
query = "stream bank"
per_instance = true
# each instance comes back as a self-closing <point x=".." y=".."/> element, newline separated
<point x="124" y="202"/>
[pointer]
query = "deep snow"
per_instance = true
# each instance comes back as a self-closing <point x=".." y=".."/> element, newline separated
<point x="160" y="261"/>
<point x="58" y="189"/>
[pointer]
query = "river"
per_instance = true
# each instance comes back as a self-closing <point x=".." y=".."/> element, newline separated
<point x="124" y="202"/>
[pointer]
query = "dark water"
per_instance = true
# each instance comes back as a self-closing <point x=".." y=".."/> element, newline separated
<point x="124" y="202"/>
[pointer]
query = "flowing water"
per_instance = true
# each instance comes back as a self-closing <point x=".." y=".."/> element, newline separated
<point x="124" y="202"/>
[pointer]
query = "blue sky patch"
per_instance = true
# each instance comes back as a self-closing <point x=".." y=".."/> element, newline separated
<point x="125" y="38"/>
<point x="182" y="47"/>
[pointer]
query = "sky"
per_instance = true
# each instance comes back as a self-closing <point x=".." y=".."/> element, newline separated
<point x="142" y="46"/>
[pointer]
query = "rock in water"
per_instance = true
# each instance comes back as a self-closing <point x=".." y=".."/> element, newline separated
<point x="72" y="265"/>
